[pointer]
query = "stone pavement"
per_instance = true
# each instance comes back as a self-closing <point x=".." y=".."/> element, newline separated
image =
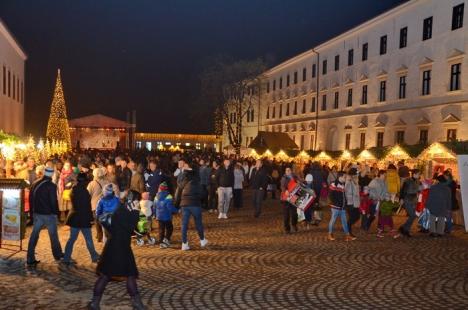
<point x="251" y="264"/>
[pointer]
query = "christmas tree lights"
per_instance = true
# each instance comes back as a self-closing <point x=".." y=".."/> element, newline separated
<point x="57" y="126"/>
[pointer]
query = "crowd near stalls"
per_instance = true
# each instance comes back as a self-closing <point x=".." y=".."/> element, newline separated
<point x="138" y="193"/>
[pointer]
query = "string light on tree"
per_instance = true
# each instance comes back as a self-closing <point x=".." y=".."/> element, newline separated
<point x="57" y="127"/>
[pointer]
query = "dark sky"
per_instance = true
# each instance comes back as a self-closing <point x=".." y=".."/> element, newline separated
<point x="118" y="55"/>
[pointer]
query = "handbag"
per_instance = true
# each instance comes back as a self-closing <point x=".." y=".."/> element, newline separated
<point x="105" y="220"/>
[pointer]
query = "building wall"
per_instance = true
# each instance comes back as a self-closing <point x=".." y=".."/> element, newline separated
<point x="12" y="85"/>
<point x="436" y="112"/>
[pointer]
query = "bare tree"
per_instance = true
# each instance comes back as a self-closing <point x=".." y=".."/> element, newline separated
<point x="231" y="88"/>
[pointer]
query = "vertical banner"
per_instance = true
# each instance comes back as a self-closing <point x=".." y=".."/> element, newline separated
<point x="463" y="173"/>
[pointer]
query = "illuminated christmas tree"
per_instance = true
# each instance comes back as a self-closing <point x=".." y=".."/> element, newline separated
<point x="57" y="127"/>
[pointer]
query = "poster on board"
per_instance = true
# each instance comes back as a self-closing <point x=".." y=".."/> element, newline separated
<point x="463" y="173"/>
<point x="11" y="214"/>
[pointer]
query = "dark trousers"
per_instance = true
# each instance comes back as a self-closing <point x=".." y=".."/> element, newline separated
<point x="353" y="216"/>
<point x="237" y="198"/>
<point x="165" y="230"/>
<point x="204" y="196"/>
<point x="257" y="201"/>
<point x="410" y="207"/>
<point x="289" y="216"/>
<point x="99" y="230"/>
<point x="370" y="217"/>
<point x="212" y="198"/>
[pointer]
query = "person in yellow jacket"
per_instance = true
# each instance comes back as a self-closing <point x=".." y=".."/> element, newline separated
<point x="393" y="181"/>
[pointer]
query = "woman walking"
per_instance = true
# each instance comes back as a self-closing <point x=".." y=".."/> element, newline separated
<point x="238" y="186"/>
<point x="80" y="219"/>
<point x="117" y="261"/>
<point x="188" y="198"/>
<point x="353" y="200"/>
<point x="96" y="189"/>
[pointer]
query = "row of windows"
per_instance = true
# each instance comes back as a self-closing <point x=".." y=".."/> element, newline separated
<point x="457" y="22"/>
<point x="12" y="86"/>
<point x="250" y="116"/>
<point x="455" y="84"/>
<point x="451" y="135"/>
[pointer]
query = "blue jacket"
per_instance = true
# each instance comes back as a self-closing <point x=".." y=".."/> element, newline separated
<point x="164" y="206"/>
<point x="107" y="204"/>
<point x="152" y="181"/>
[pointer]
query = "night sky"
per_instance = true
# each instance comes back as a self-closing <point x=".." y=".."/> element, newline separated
<point x="119" y="55"/>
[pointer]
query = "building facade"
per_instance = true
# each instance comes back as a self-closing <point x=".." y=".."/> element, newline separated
<point x="397" y="78"/>
<point x="159" y="141"/>
<point x="12" y="85"/>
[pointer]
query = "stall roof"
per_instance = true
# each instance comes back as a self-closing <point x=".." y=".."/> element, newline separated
<point x="97" y="121"/>
<point x="273" y="141"/>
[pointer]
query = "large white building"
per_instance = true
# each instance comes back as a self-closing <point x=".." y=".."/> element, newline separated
<point x="12" y="59"/>
<point x="397" y="78"/>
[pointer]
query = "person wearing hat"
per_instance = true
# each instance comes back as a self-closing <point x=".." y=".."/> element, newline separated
<point x="117" y="261"/>
<point x="79" y="219"/>
<point x="108" y="203"/>
<point x="164" y="207"/>
<point x="96" y="189"/>
<point x="44" y="207"/>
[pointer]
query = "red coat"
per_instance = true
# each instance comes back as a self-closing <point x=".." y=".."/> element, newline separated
<point x="422" y="200"/>
<point x="365" y="204"/>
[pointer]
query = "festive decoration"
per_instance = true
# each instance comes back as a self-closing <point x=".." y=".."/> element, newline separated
<point x="323" y="156"/>
<point x="254" y="154"/>
<point x="282" y="156"/>
<point x="366" y="156"/>
<point x="345" y="156"/>
<point x="302" y="157"/>
<point x="268" y="154"/>
<point x="437" y="151"/>
<point x="57" y="126"/>
<point x="397" y="153"/>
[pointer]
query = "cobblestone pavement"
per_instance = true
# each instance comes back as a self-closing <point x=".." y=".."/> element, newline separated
<point x="251" y="264"/>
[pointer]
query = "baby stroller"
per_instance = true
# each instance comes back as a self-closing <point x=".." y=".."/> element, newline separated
<point x="143" y="230"/>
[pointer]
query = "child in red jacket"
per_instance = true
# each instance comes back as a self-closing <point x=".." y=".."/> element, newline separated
<point x="364" y="207"/>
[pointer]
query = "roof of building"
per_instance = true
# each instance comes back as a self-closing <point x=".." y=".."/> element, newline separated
<point x="379" y="18"/>
<point x="12" y="40"/>
<point x="273" y="141"/>
<point x="97" y="121"/>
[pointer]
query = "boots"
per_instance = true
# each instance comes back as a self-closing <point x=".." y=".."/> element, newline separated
<point x="136" y="303"/>
<point x="94" y="304"/>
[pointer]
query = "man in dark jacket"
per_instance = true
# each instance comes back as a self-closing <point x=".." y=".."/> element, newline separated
<point x="152" y="179"/>
<point x="44" y="206"/>
<point x="409" y="195"/>
<point x="79" y="219"/>
<point x="439" y="204"/>
<point x="124" y="178"/>
<point x="258" y="182"/>
<point x="213" y="188"/>
<point x="225" y="181"/>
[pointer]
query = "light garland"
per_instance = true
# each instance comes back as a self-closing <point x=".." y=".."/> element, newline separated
<point x="437" y="150"/>
<point x="57" y="126"/>
<point x="365" y="155"/>
<point x="322" y="156"/>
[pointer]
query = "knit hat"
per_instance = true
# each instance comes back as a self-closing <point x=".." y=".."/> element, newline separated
<point x="163" y="187"/>
<point x="108" y="190"/>
<point x="49" y="172"/>
<point x="309" y="178"/>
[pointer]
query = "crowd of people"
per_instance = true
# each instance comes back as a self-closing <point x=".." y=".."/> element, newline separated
<point x="124" y="193"/>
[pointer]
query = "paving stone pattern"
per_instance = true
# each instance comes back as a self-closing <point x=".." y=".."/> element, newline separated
<point x="251" y="264"/>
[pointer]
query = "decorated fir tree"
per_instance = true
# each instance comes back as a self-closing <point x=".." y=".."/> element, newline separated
<point x="57" y="127"/>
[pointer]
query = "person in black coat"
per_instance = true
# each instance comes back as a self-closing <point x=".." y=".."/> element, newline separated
<point x="44" y="208"/>
<point x="439" y="205"/>
<point x="259" y="183"/>
<point x="79" y="219"/>
<point x="117" y="260"/>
